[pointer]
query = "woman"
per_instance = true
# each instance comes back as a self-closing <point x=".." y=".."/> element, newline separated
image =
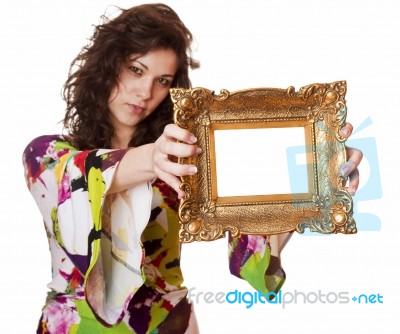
<point x="108" y="190"/>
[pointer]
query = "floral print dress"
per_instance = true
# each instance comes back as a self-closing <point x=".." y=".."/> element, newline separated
<point x="116" y="258"/>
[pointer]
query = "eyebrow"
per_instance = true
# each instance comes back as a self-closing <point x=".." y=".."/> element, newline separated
<point x="145" y="66"/>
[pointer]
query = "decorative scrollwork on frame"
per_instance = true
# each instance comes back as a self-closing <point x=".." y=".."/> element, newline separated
<point x="193" y="215"/>
<point x="342" y="213"/>
<point x="324" y="207"/>
<point x="337" y="215"/>
<point x="188" y="104"/>
<point x="203" y="118"/>
<point x="328" y="102"/>
<point x="222" y="96"/>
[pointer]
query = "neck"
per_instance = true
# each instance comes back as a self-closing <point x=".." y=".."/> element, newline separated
<point x="120" y="142"/>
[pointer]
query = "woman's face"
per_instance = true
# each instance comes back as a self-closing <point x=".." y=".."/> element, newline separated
<point x="143" y="84"/>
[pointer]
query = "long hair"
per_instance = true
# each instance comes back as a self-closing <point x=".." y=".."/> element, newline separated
<point x="94" y="73"/>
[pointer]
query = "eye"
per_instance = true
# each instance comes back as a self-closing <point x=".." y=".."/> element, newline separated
<point x="164" y="82"/>
<point x="135" y="70"/>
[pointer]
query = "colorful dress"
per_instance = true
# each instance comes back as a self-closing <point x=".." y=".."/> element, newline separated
<point x="116" y="258"/>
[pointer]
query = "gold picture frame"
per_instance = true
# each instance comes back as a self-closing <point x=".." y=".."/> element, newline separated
<point x="319" y="108"/>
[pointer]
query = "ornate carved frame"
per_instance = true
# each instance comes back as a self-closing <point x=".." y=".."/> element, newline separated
<point x="319" y="108"/>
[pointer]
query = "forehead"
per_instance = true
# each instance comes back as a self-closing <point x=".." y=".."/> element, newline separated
<point x="164" y="61"/>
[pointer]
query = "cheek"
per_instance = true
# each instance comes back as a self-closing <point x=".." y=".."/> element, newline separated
<point x="113" y="95"/>
<point x="161" y="96"/>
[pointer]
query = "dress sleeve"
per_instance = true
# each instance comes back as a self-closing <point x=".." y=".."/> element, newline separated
<point x="70" y="187"/>
<point x="250" y="259"/>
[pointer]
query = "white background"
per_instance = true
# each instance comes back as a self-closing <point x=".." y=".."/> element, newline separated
<point x="243" y="169"/>
<point x="241" y="44"/>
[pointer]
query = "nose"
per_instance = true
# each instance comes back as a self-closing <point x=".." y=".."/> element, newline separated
<point x="145" y="88"/>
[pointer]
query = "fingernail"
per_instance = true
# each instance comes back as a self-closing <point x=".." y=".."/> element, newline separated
<point x="192" y="169"/>
<point x="345" y="132"/>
<point x="198" y="150"/>
<point x="344" y="171"/>
<point x="346" y="168"/>
<point x="192" y="139"/>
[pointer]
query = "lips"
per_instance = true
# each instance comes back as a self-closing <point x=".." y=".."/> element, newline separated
<point x="136" y="109"/>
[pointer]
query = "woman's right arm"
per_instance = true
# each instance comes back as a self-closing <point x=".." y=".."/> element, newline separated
<point x="150" y="161"/>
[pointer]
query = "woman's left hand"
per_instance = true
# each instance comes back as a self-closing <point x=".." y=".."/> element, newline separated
<point x="350" y="167"/>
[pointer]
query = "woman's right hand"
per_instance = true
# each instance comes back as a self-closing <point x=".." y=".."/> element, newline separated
<point x="174" y="142"/>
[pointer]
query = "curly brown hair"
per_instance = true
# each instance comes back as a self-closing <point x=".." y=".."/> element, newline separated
<point x="94" y="73"/>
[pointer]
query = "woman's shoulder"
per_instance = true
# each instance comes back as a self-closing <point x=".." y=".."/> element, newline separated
<point x="48" y="140"/>
<point x="47" y="145"/>
<point x="55" y="141"/>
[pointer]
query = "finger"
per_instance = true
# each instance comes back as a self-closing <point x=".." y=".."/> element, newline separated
<point x="354" y="181"/>
<point x="176" y="169"/>
<point x="173" y="131"/>
<point x="346" y="130"/>
<point x="174" y="182"/>
<point x="354" y="158"/>
<point x="171" y="172"/>
<point x="178" y="149"/>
